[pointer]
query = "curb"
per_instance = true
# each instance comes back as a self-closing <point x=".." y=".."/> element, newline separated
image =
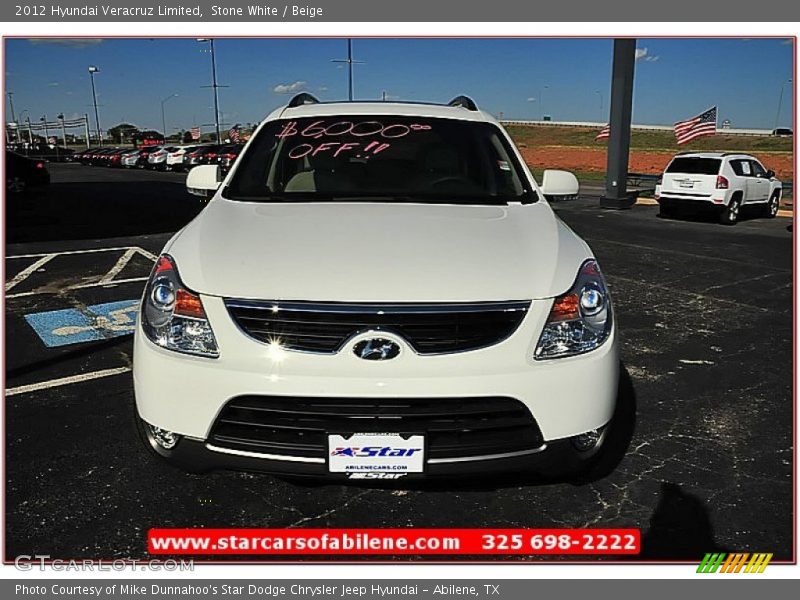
<point x="652" y="202"/>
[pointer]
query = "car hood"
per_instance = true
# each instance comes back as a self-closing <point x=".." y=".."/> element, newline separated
<point x="377" y="252"/>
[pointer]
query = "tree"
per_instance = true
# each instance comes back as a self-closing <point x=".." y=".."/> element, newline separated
<point x="187" y="137"/>
<point x="124" y="132"/>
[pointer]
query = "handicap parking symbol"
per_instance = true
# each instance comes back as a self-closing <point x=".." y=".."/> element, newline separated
<point x="73" y="325"/>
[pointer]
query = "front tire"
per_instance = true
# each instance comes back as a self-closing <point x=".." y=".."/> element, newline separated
<point x="730" y="215"/>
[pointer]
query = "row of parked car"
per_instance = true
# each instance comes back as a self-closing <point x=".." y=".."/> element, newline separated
<point x="162" y="158"/>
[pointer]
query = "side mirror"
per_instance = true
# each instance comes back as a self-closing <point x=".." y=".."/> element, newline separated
<point x="559" y="184"/>
<point x="770" y="174"/>
<point x="203" y="180"/>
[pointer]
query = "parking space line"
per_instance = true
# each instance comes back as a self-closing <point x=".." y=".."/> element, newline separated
<point x="80" y="286"/>
<point x="106" y="280"/>
<point x="144" y="252"/>
<point x="121" y="263"/>
<point x="29" y="270"/>
<point x="43" y="385"/>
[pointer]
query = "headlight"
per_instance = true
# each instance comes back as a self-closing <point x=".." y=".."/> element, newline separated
<point x="172" y="316"/>
<point x="580" y="320"/>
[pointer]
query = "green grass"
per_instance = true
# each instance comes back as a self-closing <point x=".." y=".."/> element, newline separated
<point x="545" y="135"/>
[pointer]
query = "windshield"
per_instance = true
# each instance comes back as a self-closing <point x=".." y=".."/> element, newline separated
<point x="379" y="158"/>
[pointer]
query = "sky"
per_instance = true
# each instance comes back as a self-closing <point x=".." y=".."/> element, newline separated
<point x="567" y="79"/>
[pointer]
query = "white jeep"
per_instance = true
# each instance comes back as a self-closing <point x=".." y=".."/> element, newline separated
<point x="719" y="181"/>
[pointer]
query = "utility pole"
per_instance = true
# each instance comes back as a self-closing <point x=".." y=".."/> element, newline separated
<point x="214" y="84"/>
<point x="30" y="129"/>
<point x="619" y="139"/>
<point x="14" y="116"/>
<point x="350" y="62"/>
<point x="63" y="129"/>
<point x="47" y="135"/>
<point x="86" y="130"/>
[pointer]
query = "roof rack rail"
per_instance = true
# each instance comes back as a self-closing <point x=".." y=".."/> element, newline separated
<point x="301" y="99"/>
<point x="463" y="102"/>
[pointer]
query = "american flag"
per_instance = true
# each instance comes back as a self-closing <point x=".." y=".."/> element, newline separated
<point x="233" y="134"/>
<point x="195" y="133"/>
<point x="702" y="124"/>
<point x="604" y="133"/>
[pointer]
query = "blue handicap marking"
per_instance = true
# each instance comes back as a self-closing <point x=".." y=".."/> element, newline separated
<point x="73" y="326"/>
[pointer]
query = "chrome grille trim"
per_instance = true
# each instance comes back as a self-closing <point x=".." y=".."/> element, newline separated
<point x="427" y="328"/>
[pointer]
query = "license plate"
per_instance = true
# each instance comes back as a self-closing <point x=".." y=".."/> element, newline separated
<point x="376" y="453"/>
<point x="687" y="184"/>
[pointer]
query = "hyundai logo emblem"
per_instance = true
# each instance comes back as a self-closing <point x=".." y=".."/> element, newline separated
<point x="376" y="349"/>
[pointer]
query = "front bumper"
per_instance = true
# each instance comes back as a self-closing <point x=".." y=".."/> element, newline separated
<point x="186" y="394"/>
<point x="197" y="456"/>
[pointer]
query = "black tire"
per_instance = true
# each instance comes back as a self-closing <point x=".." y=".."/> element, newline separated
<point x="772" y="205"/>
<point x="666" y="212"/>
<point x="16" y="185"/>
<point x="730" y="214"/>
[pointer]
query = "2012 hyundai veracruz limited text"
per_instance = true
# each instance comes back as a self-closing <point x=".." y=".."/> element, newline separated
<point x="377" y="290"/>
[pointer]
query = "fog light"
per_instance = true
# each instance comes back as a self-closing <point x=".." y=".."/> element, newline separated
<point x="165" y="439"/>
<point x="586" y="441"/>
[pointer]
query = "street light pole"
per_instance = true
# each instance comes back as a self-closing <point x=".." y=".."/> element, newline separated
<point x="780" y="103"/>
<point x="350" y="62"/>
<point x="601" y="101"/>
<point x="541" y="99"/>
<point x="92" y="70"/>
<point x="214" y="84"/>
<point x="163" y="118"/>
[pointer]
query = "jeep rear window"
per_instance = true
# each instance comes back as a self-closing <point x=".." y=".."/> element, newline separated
<point x="695" y="166"/>
<point x="379" y="158"/>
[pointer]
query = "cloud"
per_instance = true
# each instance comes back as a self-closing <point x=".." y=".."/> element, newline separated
<point x="68" y="42"/>
<point x="531" y="99"/>
<point x="53" y="84"/>
<point x="644" y="54"/>
<point x="289" y="88"/>
<point x="322" y="88"/>
<point x="787" y="42"/>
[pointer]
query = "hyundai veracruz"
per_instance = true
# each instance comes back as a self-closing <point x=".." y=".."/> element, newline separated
<point x="375" y="291"/>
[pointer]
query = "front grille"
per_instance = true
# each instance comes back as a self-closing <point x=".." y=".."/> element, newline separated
<point x="428" y="328"/>
<point x="298" y="426"/>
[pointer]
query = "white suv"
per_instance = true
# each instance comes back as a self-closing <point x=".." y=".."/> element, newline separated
<point x="720" y="181"/>
<point x="374" y="291"/>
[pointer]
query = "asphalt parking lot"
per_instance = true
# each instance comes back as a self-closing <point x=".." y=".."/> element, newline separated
<point x="705" y="315"/>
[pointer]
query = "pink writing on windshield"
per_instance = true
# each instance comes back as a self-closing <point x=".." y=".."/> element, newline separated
<point x="319" y="129"/>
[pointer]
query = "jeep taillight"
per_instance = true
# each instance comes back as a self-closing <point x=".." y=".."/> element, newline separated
<point x="722" y="183"/>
